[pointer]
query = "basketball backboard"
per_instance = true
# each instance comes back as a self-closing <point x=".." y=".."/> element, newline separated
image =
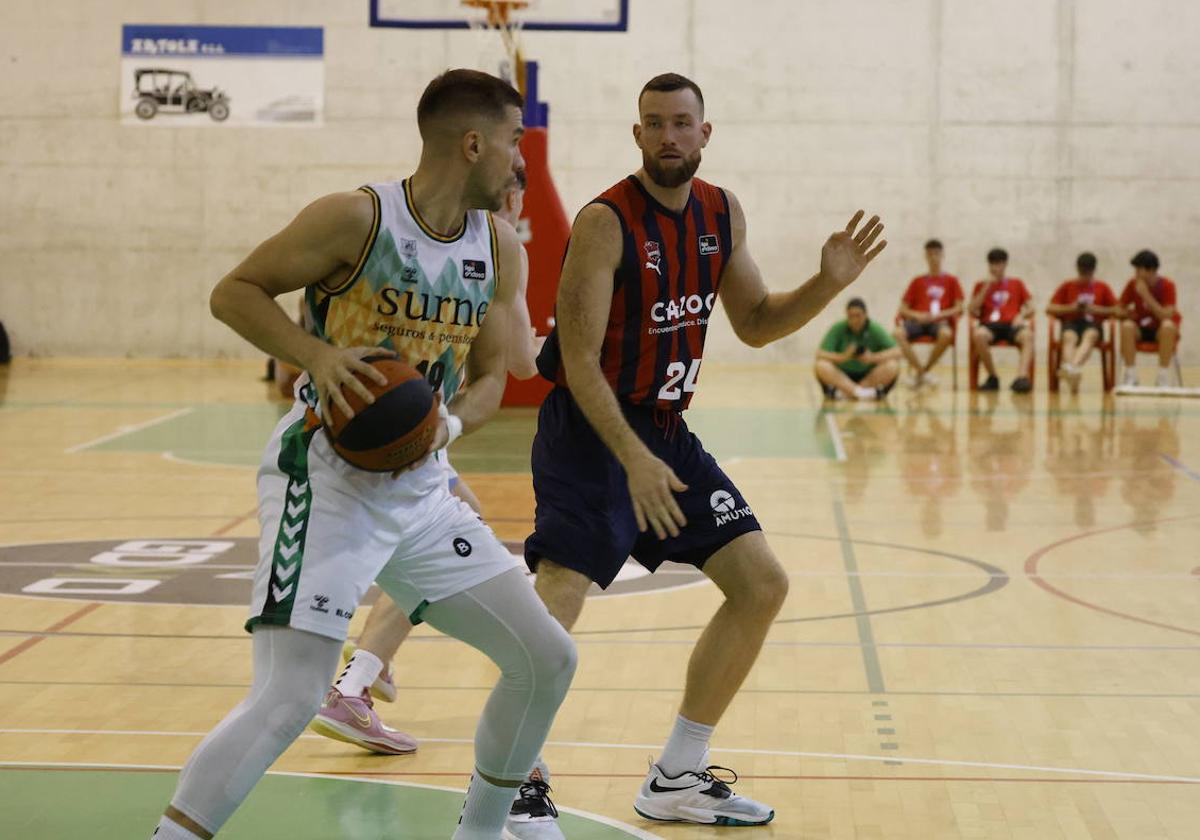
<point x="545" y="15"/>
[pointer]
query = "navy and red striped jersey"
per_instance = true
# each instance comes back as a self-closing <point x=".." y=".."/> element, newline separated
<point x="664" y="292"/>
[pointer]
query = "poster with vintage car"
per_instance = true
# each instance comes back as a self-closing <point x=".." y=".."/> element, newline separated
<point x="222" y="75"/>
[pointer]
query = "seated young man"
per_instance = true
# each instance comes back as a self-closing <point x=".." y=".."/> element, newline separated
<point x="929" y="308"/>
<point x="858" y="360"/>
<point x="1081" y="305"/>
<point x="1003" y="306"/>
<point x="1148" y="307"/>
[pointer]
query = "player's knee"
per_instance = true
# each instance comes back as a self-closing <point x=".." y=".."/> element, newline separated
<point x="764" y="593"/>
<point x="287" y="718"/>
<point x="1167" y="330"/>
<point x="983" y="337"/>
<point x="551" y="664"/>
<point x="945" y="334"/>
<point x="900" y="334"/>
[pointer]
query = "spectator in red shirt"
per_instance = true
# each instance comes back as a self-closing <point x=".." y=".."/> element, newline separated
<point x="1148" y="305"/>
<point x="1003" y="306"/>
<point x="1081" y="305"/>
<point x="930" y="306"/>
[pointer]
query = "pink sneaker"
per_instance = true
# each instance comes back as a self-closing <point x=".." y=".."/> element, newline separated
<point x="384" y="687"/>
<point x="353" y="720"/>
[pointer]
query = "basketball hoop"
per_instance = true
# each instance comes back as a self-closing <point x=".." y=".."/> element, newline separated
<point x="498" y="18"/>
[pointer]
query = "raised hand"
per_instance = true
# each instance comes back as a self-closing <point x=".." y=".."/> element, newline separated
<point x="848" y="251"/>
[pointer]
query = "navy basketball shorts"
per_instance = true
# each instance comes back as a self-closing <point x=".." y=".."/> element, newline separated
<point x="584" y="518"/>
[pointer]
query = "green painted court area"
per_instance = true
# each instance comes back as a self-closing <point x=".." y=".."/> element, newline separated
<point x="236" y="434"/>
<point x="124" y="804"/>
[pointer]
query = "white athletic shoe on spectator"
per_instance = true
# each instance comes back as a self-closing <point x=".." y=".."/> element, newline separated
<point x="698" y="797"/>
<point x="1163" y="380"/>
<point x="1130" y="377"/>
<point x="1073" y="375"/>
<point x="864" y="393"/>
<point x="929" y="379"/>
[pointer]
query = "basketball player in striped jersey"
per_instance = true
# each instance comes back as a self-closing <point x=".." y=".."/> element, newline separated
<point x="616" y="471"/>
<point x="415" y="269"/>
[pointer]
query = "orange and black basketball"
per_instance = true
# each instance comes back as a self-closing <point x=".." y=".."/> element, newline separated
<point x="392" y="432"/>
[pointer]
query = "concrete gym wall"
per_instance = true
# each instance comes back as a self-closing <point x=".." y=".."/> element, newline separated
<point x="1044" y="127"/>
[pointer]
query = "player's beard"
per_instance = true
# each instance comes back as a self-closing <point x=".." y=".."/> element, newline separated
<point x="671" y="176"/>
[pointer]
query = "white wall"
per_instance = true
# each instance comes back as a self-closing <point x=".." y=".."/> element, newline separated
<point x="1044" y="126"/>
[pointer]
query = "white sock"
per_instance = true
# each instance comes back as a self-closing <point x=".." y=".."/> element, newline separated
<point x="360" y="672"/>
<point x="485" y="811"/>
<point x="170" y="830"/>
<point x="687" y="748"/>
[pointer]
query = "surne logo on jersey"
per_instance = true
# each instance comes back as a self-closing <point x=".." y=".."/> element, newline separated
<point x="408" y="248"/>
<point x="709" y="244"/>
<point x="474" y="270"/>
<point x="653" y="256"/>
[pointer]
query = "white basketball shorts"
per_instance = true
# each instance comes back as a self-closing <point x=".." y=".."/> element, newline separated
<point x="329" y="530"/>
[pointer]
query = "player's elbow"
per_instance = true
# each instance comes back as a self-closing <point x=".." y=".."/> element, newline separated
<point x="523" y="369"/>
<point x="751" y="335"/>
<point x="219" y="302"/>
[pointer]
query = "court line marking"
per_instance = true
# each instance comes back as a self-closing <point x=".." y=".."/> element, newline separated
<point x="168" y="455"/>
<point x="631" y="830"/>
<point x="797" y="573"/>
<point x="1031" y="571"/>
<point x="439" y="639"/>
<point x="858" y="601"/>
<point x="941" y="762"/>
<point x="128" y="430"/>
<point x="835" y="434"/>
<point x="362" y="775"/>
<point x="41" y="637"/>
<point x="673" y="690"/>
<point x="1179" y="465"/>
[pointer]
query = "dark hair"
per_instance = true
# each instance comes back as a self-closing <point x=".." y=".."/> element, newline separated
<point x="522" y="179"/>
<point x="997" y="255"/>
<point x="856" y="303"/>
<point x="465" y="92"/>
<point x="667" y="82"/>
<point x="934" y="243"/>
<point x="1145" y="259"/>
<point x="1086" y="262"/>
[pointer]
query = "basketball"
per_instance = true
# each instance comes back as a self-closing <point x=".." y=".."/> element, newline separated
<point x="392" y="432"/>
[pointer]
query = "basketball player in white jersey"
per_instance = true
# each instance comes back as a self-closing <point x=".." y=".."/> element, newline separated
<point x="348" y="713"/>
<point x="415" y="268"/>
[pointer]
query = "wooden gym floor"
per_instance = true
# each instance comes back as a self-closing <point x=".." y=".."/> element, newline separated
<point x="992" y="630"/>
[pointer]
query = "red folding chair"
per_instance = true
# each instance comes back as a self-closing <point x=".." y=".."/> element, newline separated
<point x="953" y="349"/>
<point x="1152" y="347"/>
<point x="973" y="356"/>
<point x="1106" y="345"/>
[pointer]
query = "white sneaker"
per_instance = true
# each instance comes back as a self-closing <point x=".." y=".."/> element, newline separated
<point x="1163" y="380"/>
<point x="698" y="798"/>
<point x="1130" y="377"/>
<point x="1073" y="375"/>
<point x="533" y="816"/>
<point x="864" y="393"/>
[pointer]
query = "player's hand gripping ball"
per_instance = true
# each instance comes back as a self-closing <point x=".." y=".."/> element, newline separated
<point x="392" y="432"/>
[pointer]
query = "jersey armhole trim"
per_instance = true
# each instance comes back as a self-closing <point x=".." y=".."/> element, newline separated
<point x="495" y="252"/>
<point x="368" y="245"/>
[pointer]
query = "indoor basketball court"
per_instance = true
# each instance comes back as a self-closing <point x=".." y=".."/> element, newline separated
<point x="992" y="628"/>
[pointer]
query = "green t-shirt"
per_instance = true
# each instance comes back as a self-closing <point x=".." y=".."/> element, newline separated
<point x="873" y="338"/>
